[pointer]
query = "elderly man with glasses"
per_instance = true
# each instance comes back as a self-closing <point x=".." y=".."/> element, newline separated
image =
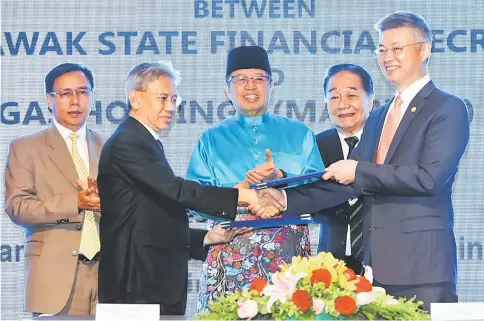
<point x="145" y="236"/>
<point x="51" y="193"/>
<point x="250" y="147"/>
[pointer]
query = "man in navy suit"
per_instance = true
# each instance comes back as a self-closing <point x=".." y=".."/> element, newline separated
<point x="348" y="92"/>
<point x="404" y="167"/>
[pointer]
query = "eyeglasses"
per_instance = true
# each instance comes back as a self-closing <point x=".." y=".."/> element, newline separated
<point x="244" y="80"/>
<point x="165" y="99"/>
<point x="69" y="93"/>
<point x="397" y="50"/>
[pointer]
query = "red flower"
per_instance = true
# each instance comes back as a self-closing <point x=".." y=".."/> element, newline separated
<point x="350" y="274"/>
<point x="279" y="238"/>
<point x="363" y="285"/>
<point x="321" y="275"/>
<point x="273" y="266"/>
<point x="258" y="285"/>
<point x="257" y="251"/>
<point x="345" y="305"/>
<point x="302" y="300"/>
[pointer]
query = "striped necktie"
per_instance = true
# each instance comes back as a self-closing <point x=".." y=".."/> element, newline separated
<point x="356" y="229"/>
<point x="355" y="217"/>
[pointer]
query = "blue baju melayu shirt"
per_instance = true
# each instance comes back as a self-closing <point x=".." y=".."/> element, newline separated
<point x="227" y="150"/>
<point x="223" y="155"/>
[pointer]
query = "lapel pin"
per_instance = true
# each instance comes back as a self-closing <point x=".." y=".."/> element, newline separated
<point x="413" y="109"/>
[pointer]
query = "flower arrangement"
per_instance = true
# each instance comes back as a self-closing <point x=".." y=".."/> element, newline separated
<point x="314" y="288"/>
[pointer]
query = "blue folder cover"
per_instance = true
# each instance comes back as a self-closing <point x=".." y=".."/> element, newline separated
<point x="287" y="180"/>
<point x="275" y="222"/>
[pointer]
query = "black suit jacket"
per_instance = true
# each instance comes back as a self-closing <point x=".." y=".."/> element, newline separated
<point x="332" y="236"/>
<point x="145" y="239"/>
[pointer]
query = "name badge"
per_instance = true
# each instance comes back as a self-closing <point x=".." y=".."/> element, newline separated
<point x="457" y="311"/>
<point x="133" y="312"/>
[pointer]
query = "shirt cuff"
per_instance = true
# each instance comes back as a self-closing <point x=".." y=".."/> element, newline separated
<point x="285" y="199"/>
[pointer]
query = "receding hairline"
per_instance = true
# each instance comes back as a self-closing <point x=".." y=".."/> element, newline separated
<point x="365" y="78"/>
<point x="139" y="79"/>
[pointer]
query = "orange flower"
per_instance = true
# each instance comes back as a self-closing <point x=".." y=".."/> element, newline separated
<point x="237" y="265"/>
<point x="228" y="249"/>
<point x="345" y="305"/>
<point x="270" y="255"/>
<point x="258" y="285"/>
<point x="363" y="285"/>
<point x="302" y="300"/>
<point x="214" y="254"/>
<point x="253" y="270"/>
<point x="350" y="274"/>
<point x="321" y="275"/>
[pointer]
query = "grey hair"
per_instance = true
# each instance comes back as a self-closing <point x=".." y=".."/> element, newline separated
<point x="140" y="76"/>
<point x="405" y="19"/>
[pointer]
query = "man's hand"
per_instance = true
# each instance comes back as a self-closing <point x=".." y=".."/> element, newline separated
<point x="92" y="184"/>
<point x="264" y="172"/>
<point x="265" y="203"/>
<point x="271" y="202"/>
<point x="342" y="171"/>
<point x="243" y="184"/>
<point x="219" y="235"/>
<point x="88" y="196"/>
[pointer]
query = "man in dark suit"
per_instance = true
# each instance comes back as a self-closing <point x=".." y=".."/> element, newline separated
<point x="145" y="239"/>
<point x="348" y="92"/>
<point x="405" y="167"/>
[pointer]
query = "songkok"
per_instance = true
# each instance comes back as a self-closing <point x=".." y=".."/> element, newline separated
<point x="251" y="57"/>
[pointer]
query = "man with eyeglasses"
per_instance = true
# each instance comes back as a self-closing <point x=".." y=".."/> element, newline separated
<point x="251" y="147"/>
<point x="51" y="193"/>
<point x="404" y="166"/>
<point x="145" y="236"/>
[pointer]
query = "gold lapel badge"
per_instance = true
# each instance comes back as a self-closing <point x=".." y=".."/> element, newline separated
<point x="413" y="109"/>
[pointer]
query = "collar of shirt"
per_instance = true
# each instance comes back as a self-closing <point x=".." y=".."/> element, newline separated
<point x="152" y="132"/>
<point x="251" y="121"/>
<point x="344" y="145"/>
<point x="409" y="94"/>
<point x="65" y="132"/>
<point x="81" y="141"/>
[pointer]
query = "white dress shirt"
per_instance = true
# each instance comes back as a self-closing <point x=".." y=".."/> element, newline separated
<point x="344" y="145"/>
<point x="81" y="140"/>
<point x="346" y="148"/>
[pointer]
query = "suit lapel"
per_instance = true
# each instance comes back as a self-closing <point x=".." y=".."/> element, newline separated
<point x="412" y="111"/>
<point x="135" y="125"/>
<point x="94" y="147"/>
<point x="334" y="148"/>
<point x="157" y="145"/>
<point x="60" y="156"/>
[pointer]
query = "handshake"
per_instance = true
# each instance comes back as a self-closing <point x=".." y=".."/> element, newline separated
<point x="265" y="203"/>
<point x="270" y="202"/>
